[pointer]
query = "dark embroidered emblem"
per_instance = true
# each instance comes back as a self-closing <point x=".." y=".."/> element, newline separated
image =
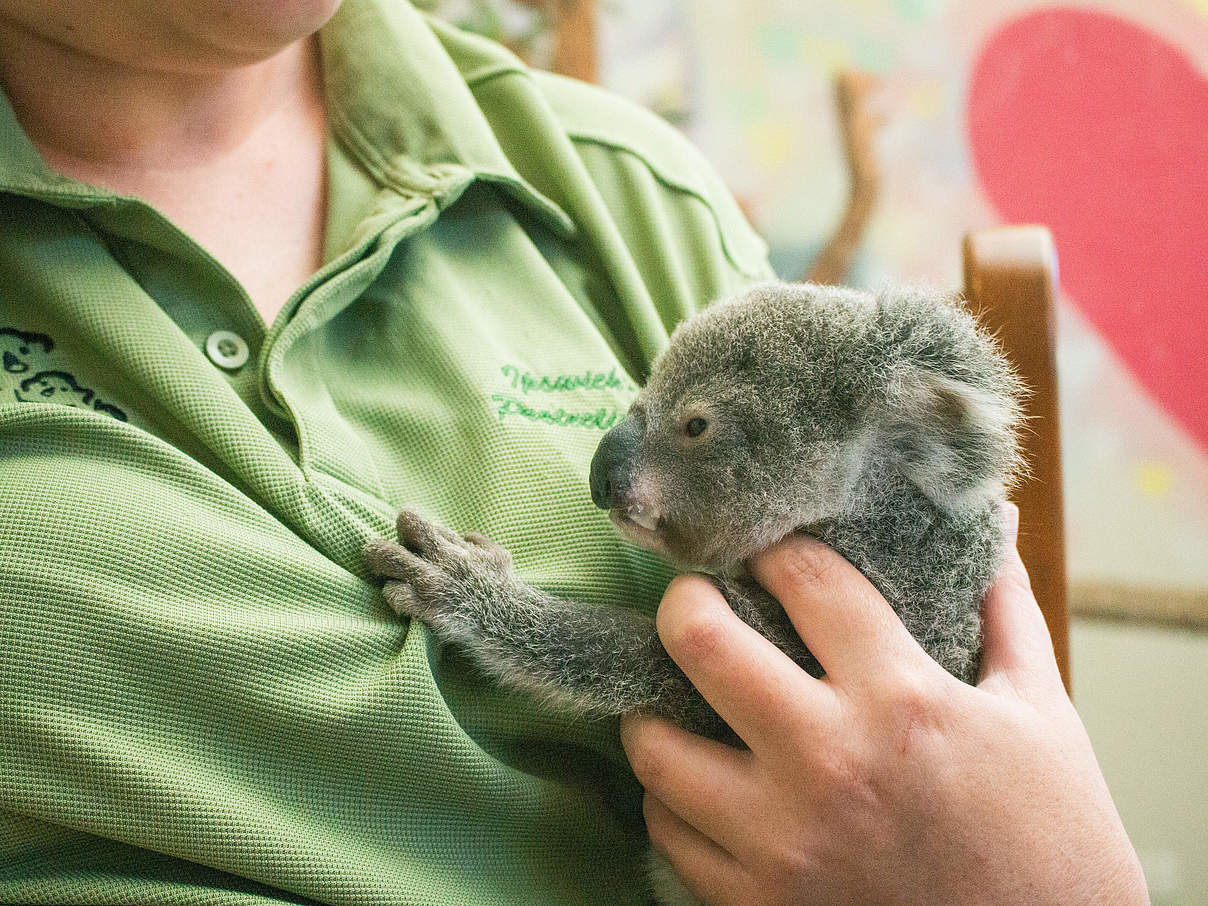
<point x="25" y="355"/>
<point x="98" y="406"/>
<point x="61" y="387"/>
<point x="17" y="345"/>
<point x="56" y="387"/>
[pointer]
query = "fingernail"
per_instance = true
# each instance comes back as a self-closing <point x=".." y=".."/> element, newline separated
<point x="1010" y="520"/>
<point x="627" y="729"/>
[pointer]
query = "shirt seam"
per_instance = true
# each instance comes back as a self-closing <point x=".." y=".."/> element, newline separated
<point x="577" y="136"/>
<point x="668" y="182"/>
<point x="346" y="131"/>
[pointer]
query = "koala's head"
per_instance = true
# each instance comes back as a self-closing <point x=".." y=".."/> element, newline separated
<point x="789" y="405"/>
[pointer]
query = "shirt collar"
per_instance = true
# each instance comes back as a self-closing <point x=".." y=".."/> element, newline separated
<point x="401" y="105"/>
<point x="396" y="100"/>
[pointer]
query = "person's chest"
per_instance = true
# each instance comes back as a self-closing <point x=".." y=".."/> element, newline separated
<point x="187" y="517"/>
<point x="453" y="363"/>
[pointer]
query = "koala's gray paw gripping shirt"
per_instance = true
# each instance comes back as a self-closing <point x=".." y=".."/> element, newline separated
<point x="202" y="697"/>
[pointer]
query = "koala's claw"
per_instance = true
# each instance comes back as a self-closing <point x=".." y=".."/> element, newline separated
<point x="501" y="554"/>
<point x="405" y="572"/>
<point x="418" y="535"/>
<point x="389" y="560"/>
<point x="402" y="599"/>
<point x="436" y="575"/>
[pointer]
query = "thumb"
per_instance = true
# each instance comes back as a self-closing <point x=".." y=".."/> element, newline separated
<point x="1017" y="650"/>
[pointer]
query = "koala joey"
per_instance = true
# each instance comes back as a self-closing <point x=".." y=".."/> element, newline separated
<point x="882" y="424"/>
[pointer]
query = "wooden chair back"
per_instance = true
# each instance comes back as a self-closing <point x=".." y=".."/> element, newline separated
<point x="1011" y="286"/>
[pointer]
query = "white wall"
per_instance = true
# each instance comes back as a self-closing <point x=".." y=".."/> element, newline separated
<point x="1142" y="692"/>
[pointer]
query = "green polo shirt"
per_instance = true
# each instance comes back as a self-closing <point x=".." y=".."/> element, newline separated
<point x="203" y="698"/>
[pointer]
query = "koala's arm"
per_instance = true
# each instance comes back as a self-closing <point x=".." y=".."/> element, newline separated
<point x="595" y="660"/>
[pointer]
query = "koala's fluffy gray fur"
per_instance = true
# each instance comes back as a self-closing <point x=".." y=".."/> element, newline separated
<point x="882" y="424"/>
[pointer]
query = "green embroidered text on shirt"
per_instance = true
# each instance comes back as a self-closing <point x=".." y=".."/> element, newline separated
<point x="602" y="418"/>
<point x="527" y="382"/>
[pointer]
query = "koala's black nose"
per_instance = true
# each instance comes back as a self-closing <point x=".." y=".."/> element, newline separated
<point x="612" y="466"/>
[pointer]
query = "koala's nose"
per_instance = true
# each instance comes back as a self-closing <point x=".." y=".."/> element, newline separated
<point x="612" y="466"/>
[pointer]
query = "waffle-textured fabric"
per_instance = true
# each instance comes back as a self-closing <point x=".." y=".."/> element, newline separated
<point x="203" y="698"/>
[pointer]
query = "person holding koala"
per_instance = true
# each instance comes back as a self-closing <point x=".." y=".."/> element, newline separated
<point x="304" y="248"/>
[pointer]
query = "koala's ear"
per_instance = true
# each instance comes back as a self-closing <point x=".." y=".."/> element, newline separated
<point x="953" y="440"/>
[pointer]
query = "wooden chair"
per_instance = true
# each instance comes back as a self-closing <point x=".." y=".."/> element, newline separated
<point x="1011" y="285"/>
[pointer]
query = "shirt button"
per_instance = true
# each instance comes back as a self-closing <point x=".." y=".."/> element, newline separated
<point x="226" y="350"/>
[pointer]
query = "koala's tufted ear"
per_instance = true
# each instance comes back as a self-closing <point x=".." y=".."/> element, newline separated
<point x="955" y="441"/>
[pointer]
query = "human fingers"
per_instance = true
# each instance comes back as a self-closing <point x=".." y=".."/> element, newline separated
<point x="706" y="783"/>
<point x="1017" y="650"/>
<point x="710" y="873"/>
<point x="753" y="685"/>
<point x="846" y="623"/>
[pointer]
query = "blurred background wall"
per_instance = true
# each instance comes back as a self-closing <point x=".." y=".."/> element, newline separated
<point x="1091" y="118"/>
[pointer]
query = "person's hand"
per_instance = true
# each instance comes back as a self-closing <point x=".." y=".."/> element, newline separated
<point x="888" y="780"/>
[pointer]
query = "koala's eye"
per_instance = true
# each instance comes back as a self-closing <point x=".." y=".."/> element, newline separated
<point x="695" y="427"/>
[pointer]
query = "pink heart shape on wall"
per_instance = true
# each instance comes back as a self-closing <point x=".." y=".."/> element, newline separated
<point x="1098" y="128"/>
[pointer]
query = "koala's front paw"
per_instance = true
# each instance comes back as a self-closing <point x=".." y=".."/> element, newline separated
<point x="440" y="577"/>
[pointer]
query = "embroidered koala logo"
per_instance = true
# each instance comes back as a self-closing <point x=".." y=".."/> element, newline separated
<point x="25" y="351"/>
<point x="56" y="387"/>
<point x="61" y="387"/>
<point x="16" y="346"/>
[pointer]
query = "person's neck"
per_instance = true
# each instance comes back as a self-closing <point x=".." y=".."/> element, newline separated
<point x="88" y="114"/>
<point x="233" y="156"/>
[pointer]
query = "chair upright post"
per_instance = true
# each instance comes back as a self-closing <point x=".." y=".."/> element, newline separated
<point x="1011" y="286"/>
